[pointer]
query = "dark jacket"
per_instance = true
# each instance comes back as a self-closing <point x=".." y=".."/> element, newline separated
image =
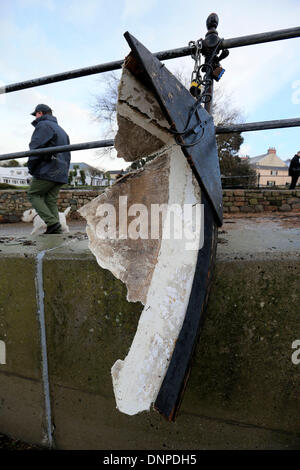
<point x="294" y="168"/>
<point x="54" y="167"/>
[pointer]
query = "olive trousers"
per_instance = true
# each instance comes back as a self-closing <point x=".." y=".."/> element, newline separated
<point x="43" y="196"/>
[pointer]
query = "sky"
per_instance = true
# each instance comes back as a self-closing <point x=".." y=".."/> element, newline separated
<point x="42" y="37"/>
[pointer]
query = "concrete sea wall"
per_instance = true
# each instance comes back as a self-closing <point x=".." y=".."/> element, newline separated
<point x="14" y="202"/>
<point x="242" y="201"/>
<point x="249" y="201"/>
<point x="243" y="390"/>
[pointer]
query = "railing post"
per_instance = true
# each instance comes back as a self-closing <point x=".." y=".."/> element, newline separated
<point x="209" y="44"/>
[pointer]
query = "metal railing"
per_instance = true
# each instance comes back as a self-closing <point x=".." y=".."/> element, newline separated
<point x="162" y="55"/>
<point x="254" y="181"/>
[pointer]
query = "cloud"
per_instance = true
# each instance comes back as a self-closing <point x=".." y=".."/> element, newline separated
<point x="245" y="149"/>
<point x="255" y="75"/>
<point x="81" y="14"/>
<point x="37" y="57"/>
<point x="137" y="8"/>
<point x="109" y="161"/>
<point x="48" y="4"/>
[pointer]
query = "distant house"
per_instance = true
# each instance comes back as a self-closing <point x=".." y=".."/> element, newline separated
<point x="271" y="170"/>
<point x="93" y="176"/>
<point x="15" y="175"/>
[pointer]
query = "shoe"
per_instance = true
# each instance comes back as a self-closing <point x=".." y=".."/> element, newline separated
<point x="55" y="228"/>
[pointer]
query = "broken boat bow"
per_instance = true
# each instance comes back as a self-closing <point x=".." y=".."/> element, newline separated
<point x="189" y="121"/>
<point x="195" y="132"/>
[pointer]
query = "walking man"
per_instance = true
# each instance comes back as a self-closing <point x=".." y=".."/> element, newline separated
<point x="50" y="172"/>
<point x="294" y="170"/>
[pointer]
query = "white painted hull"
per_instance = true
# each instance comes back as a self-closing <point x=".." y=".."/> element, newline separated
<point x="165" y="285"/>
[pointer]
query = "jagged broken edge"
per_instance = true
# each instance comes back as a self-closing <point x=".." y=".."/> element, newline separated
<point x="176" y="102"/>
<point x="171" y="392"/>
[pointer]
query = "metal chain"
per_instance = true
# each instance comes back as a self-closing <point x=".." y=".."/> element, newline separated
<point x="200" y="88"/>
<point x="155" y="154"/>
<point x="196" y="55"/>
<point x="200" y="85"/>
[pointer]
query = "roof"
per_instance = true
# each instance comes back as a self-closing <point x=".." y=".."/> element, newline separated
<point x="12" y="171"/>
<point x="269" y="160"/>
<point x="258" y="158"/>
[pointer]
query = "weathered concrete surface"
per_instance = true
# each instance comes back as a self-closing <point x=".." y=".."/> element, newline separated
<point x="243" y="391"/>
<point x="21" y="391"/>
<point x="263" y="238"/>
<point x="22" y="413"/>
<point x="243" y="369"/>
<point x="21" y="228"/>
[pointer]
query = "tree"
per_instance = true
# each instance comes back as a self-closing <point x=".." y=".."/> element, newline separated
<point x="105" y="105"/>
<point x="104" y="108"/>
<point x="10" y="163"/>
<point x="108" y="177"/>
<point x="94" y="172"/>
<point x="72" y="175"/>
<point x="231" y="165"/>
<point x="82" y="177"/>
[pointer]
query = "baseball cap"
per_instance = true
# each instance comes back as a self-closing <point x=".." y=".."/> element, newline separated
<point x="42" y="108"/>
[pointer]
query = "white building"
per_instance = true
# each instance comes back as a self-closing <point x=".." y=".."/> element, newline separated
<point x="17" y="176"/>
<point x="93" y="176"/>
<point x="271" y="170"/>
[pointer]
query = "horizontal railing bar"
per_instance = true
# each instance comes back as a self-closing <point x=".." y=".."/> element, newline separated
<point x="59" y="77"/>
<point x="100" y="68"/>
<point x="258" y="126"/>
<point x="258" y="176"/>
<point x="260" y="38"/>
<point x="60" y="148"/>
<point x="251" y="126"/>
<point x="162" y="55"/>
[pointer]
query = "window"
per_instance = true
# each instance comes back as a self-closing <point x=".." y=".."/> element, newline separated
<point x="273" y="172"/>
<point x="270" y="183"/>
